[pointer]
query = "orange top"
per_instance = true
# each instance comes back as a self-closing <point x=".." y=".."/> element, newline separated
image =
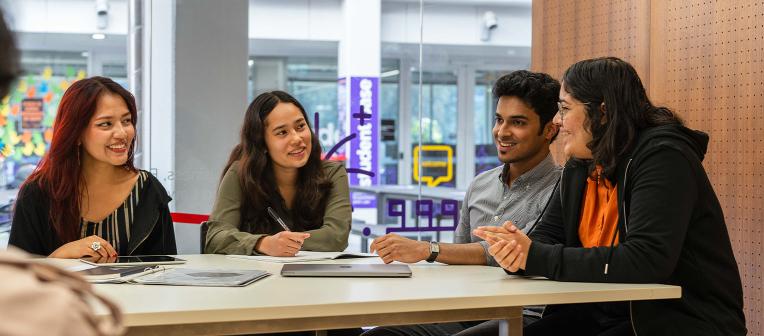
<point x="599" y="212"/>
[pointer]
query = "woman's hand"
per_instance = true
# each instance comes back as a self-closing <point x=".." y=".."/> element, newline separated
<point x="508" y="245"/>
<point x="282" y="244"/>
<point x="84" y="248"/>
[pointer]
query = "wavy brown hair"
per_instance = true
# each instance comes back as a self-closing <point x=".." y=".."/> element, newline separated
<point x="628" y="111"/>
<point x="257" y="180"/>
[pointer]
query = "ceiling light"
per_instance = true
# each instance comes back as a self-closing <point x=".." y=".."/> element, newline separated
<point x="98" y="36"/>
<point x="390" y="73"/>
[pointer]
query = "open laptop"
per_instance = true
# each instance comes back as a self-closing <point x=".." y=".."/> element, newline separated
<point x="346" y="270"/>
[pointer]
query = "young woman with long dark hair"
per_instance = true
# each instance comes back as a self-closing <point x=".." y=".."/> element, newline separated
<point x="86" y="198"/>
<point x="277" y="165"/>
<point x="634" y="205"/>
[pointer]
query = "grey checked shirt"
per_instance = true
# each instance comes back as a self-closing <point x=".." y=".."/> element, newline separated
<point x="490" y="202"/>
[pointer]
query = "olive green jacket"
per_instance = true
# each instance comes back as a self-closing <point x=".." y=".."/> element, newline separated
<point x="224" y="236"/>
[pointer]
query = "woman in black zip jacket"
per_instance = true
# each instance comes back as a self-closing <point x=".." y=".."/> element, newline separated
<point x="668" y="225"/>
<point x="86" y="198"/>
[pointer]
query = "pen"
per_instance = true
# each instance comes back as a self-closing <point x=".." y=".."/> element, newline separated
<point x="278" y="219"/>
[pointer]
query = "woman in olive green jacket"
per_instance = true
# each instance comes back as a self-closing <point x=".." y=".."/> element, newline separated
<point x="278" y="165"/>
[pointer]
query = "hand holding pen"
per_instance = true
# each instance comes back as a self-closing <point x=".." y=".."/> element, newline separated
<point x="282" y="244"/>
<point x="278" y="219"/>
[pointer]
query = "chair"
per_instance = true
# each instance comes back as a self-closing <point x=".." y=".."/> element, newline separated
<point x="203" y="235"/>
<point x="189" y="218"/>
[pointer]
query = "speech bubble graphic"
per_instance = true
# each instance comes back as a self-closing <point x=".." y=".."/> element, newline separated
<point x="446" y="166"/>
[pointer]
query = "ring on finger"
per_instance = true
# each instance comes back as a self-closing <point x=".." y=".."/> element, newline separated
<point x="96" y="245"/>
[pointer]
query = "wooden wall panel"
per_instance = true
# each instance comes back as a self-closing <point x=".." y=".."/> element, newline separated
<point x="705" y="60"/>
<point x="708" y="65"/>
<point x="568" y="31"/>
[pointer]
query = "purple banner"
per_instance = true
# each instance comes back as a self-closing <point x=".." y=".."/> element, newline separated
<point x="363" y="114"/>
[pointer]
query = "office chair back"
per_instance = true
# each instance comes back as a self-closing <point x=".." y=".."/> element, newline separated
<point x="203" y="235"/>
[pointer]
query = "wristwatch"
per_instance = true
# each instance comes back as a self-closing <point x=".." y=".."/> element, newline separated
<point x="434" y="250"/>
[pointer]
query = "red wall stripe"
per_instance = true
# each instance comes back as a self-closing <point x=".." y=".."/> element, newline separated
<point x="180" y="217"/>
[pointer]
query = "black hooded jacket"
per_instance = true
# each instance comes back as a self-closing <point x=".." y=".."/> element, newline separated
<point x="671" y="231"/>
<point x="151" y="233"/>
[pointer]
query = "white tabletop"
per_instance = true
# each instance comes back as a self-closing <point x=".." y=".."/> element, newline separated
<point x="432" y="287"/>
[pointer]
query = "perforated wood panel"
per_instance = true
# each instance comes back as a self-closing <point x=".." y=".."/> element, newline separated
<point x="567" y="31"/>
<point x="705" y="60"/>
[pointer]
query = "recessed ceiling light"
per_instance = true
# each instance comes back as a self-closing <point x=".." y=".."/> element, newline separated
<point x="98" y="36"/>
<point x="390" y="73"/>
<point x="251" y="62"/>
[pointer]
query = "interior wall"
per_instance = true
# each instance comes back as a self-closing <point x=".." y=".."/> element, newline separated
<point x="568" y="31"/>
<point x="707" y="63"/>
<point x="703" y="59"/>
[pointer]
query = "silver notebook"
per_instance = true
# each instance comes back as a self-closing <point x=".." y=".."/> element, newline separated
<point x="346" y="270"/>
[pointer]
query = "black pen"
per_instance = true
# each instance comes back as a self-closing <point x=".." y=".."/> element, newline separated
<point x="278" y="219"/>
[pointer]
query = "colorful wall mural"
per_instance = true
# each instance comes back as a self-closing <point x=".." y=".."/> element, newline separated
<point x="27" y="115"/>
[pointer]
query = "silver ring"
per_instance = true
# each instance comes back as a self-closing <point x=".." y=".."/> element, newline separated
<point x="96" y="245"/>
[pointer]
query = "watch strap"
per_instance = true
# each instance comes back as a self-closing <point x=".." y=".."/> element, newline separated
<point x="434" y="251"/>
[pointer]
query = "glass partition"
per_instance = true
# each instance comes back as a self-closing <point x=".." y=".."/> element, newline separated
<point x="55" y="52"/>
<point x="425" y="158"/>
<point x="434" y="160"/>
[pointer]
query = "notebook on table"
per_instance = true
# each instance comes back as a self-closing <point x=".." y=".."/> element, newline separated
<point x="159" y="275"/>
<point x="347" y="270"/>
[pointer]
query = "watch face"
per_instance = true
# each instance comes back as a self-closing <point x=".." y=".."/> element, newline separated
<point x="434" y="250"/>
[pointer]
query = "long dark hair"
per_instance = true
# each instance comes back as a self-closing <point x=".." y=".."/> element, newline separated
<point x="627" y="110"/>
<point x="256" y="177"/>
<point x="59" y="172"/>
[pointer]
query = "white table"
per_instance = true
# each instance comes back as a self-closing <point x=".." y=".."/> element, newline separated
<point x="435" y="293"/>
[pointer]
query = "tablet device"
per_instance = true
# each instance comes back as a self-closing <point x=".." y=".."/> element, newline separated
<point x="135" y="260"/>
<point x="346" y="270"/>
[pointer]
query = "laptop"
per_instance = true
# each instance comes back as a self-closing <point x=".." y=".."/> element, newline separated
<point x="346" y="270"/>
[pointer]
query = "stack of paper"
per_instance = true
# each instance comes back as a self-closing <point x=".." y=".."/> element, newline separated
<point x="112" y="274"/>
<point x="202" y="277"/>
<point x="304" y="256"/>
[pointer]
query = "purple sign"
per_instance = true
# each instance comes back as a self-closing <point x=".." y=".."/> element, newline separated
<point x="362" y="154"/>
<point x="426" y="208"/>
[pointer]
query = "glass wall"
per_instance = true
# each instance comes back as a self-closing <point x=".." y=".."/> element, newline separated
<point x="458" y="71"/>
<point x="436" y="158"/>
<point x="389" y="102"/>
<point x="486" y="156"/>
<point x="54" y="54"/>
<point x="313" y="81"/>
